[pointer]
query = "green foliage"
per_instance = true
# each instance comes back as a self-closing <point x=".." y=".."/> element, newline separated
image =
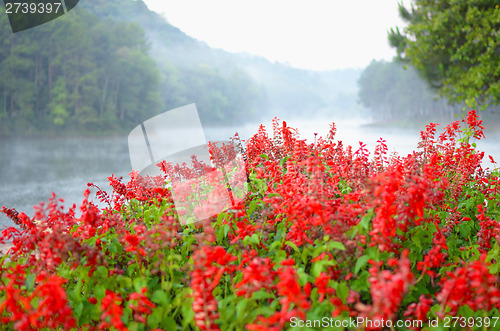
<point x="190" y="72"/>
<point x="91" y="71"/>
<point x="246" y="86"/>
<point x="393" y="92"/>
<point x="321" y="233"/>
<point x="59" y="103"/>
<point x="396" y="92"/>
<point x="455" y="45"/>
<point x="77" y="73"/>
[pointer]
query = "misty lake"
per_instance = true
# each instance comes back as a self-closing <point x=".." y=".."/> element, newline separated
<point x="32" y="168"/>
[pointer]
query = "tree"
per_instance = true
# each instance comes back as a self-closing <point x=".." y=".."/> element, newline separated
<point x="79" y="73"/>
<point x="91" y="71"/>
<point x="59" y="104"/>
<point x="394" y="93"/>
<point x="455" y="45"/>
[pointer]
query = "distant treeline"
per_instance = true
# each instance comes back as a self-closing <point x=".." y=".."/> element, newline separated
<point x="244" y="86"/>
<point x="77" y="73"/>
<point x="396" y="92"/>
<point x="81" y="73"/>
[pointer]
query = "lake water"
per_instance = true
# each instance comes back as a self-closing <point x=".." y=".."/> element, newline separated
<point x="32" y="168"/>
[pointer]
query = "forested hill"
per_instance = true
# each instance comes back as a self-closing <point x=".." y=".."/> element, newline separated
<point x="78" y="73"/>
<point x="110" y="64"/>
<point x="279" y="90"/>
<point x="397" y="94"/>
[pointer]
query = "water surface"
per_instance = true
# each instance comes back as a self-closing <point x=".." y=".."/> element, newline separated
<point x="32" y="168"/>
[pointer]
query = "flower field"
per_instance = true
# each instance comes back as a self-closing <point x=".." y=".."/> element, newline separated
<point x="324" y="231"/>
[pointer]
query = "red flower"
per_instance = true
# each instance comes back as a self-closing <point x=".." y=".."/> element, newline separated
<point x="50" y="311"/>
<point x="257" y="275"/>
<point x="111" y="307"/>
<point x="472" y="285"/>
<point x="143" y="306"/>
<point x="436" y="256"/>
<point x="388" y="290"/>
<point x="419" y="310"/>
<point x="210" y="264"/>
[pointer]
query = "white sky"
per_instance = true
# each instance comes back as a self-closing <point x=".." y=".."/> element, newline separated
<point x="314" y="34"/>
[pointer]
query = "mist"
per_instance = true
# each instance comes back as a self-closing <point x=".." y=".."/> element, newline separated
<point x="234" y="93"/>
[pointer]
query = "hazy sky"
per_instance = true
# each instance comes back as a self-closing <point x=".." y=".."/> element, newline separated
<point x="315" y="34"/>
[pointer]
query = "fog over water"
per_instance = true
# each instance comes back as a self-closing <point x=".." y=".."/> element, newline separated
<point x="32" y="168"/>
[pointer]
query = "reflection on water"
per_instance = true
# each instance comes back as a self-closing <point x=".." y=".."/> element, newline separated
<point x="402" y="140"/>
<point x="32" y="168"/>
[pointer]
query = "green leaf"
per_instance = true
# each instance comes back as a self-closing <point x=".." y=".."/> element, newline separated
<point x="101" y="272"/>
<point x="251" y="208"/>
<point x="226" y="230"/>
<point x="99" y="292"/>
<point x="361" y="284"/>
<point x="317" y="268"/>
<point x="153" y="282"/>
<point x="280" y="256"/>
<point x="283" y="160"/>
<point x="253" y="239"/>
<point x="305" y="254"/>
<point x="114" y="247"/>
<point x="264" y="156"/>
<point x="30" y="282"/>
<point x="365" y="220"/>
<point x="293" y="246"/>
<point x="168" y="323"/>
<point x="77" y="291"/>
<point x="465" y="311"/>
<point x="78" y="309"/>
<point x="240" y="307"/>
<point x="465" y="228"/>
<point x="275" y="245"/>
<point x="125" y="282"/>
<point x="342" y="291"/>
<point x="160" y="297"/>
<point x="259" y="295"/>
<point x="435" y="309"/>
<point x="303" y="276"/>
<point x="139" y="284"/>
<point x="360" y="263"/>
<point x="264" y="311"/>
<point x="335" y="245"/>
<point x="155" y="318"/>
